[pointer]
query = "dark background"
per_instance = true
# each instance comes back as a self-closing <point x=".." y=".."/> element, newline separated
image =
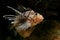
<point x="48" y="8"/>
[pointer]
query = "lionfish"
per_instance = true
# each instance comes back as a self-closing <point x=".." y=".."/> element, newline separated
<point x="24" y="22"/>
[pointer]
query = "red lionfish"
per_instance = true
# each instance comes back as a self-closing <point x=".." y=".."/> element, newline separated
<point x="24" y="20"/>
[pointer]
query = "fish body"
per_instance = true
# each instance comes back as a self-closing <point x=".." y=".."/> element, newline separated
<point x="25" y="22"/>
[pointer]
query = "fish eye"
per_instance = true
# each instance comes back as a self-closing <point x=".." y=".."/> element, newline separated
<point x="35" y="13"/>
